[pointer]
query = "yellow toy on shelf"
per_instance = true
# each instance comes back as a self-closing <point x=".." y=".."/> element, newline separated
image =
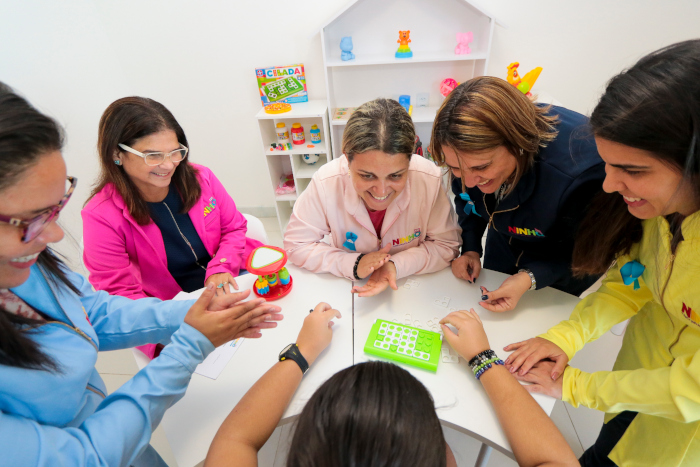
<point x="525" y="83"/>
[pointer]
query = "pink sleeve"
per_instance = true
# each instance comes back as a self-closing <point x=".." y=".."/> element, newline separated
<point x="441" y="245"/>
<point x="234" y="247"/>
<point x="305" y="231"/>
<point x="106" y="258"/>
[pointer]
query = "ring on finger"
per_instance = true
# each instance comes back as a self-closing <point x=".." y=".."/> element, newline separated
<point x="220" y="286"/>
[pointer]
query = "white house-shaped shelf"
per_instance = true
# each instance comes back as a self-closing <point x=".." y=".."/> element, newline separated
<point x="375" y="72"/>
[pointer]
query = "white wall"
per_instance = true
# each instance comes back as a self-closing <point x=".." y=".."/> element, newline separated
<point x="74" y="57"/>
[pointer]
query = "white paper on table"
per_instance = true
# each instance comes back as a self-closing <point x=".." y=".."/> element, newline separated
<point x="215" y="363"/>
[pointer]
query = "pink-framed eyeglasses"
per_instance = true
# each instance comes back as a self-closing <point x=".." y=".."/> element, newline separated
<point x="33" y="227"/>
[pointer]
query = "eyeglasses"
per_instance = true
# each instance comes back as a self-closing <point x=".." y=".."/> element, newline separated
<point x="33" y="227"/>
<point x="156" y="158"/>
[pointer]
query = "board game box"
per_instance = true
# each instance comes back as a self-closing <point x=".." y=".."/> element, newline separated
<point x="282" y="84"/>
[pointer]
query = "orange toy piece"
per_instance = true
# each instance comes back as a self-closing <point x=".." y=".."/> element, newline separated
<point x="404" y="50"/>
<point x="525" y="83"/>
<point x="278" y="108"/>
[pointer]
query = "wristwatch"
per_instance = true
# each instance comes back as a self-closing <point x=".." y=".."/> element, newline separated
<point x="291" y="352"/>
<point x="532" y="278"/>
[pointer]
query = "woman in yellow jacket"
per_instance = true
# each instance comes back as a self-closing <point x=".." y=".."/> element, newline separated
<point x="647" y="128"/>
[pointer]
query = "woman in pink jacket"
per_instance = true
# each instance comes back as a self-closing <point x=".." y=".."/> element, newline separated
<point x="155" y="224"/>
<point x="383" y="209"/>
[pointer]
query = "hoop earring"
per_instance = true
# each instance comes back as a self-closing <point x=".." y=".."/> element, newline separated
<point x="118" y="162"/>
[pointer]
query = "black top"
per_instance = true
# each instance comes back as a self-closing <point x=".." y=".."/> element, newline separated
<point x="181" y="261"/>
<point x="534" y="226"/>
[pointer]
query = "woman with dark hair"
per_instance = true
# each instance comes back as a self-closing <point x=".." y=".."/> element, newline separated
<point x="376" y="212"/>
<point x="377" y="414"/>
<point x="525" y="172"/>
<point x="54" y="408"/>
<point x="156" y="224"/>
<point x="647" y="128"/>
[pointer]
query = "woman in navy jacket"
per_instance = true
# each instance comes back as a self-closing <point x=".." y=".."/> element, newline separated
<point x="525" y="172"/>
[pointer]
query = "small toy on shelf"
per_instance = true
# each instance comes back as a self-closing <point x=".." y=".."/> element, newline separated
<point x="346" y="49"/>
<point x="310" y="159"/>
<point x="405" y="101"/>
<point x="278" y="108"/>
<point x="315" y="134"/>
<point x="463" y="40"/>
<point x="282" y="133"/>
<point x="525" y="83"/>
<point x="404" y="50"/>
<point x="298" y="134"/>
<point x="274" y="280"/>
<point x="447" y="85"/>
<point x="286" y="185"/>
<point x="343" y="113"/>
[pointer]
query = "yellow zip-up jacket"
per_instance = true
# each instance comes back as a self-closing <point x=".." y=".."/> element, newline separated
<point x="657" y="372"/>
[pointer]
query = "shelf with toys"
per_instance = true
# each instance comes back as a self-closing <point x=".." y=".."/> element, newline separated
<point x="285" y="160"/>
<point x="390" y="59"/>
<point x="379" y="49"/>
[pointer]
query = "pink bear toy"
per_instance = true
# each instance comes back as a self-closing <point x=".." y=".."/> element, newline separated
<point x="463" y="40"/>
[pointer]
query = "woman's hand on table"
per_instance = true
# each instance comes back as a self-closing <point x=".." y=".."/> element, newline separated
<point x="470" y="338"/>
<point x="220" y="282"/>
<point x="379" y="280"/>
<point x="316" y="333"/>
<point x="542" y="383"/>
<point x="224" y="318"/>
<point x="467" y="266"/>
<point x="507" y="296"/>
<point x="371" y="262"/>
<point x="533" y="351"/>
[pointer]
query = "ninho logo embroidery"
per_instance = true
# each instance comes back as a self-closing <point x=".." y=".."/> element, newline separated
<point x="408" y="239"/>
<point x="210" y="208"/>
<point x="521" y="231"/>
<point x="690" y="314"/>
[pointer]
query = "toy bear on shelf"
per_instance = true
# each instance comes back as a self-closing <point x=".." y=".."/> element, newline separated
<point x="404" y="50"/>
<point x="463" y="40"/>
<point x="346" y="48"/>
<point x="274" y="280"/>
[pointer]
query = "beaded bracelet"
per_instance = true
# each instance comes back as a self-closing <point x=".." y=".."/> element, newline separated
<point x="354" y="269"/>
<point x="489" y="365"/>
<point x="483" y="364"/>
<point x="481" y="357"/>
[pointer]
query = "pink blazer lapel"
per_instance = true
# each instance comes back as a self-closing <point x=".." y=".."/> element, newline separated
<point x="197" y="216"/>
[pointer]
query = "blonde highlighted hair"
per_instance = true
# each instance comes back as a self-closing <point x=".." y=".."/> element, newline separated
<point x="381" y="124"/>
<point x="486" y="112"/>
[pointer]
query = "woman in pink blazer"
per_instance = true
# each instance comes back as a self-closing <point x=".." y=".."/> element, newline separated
<point x="377" y="212"/>
<point x="156" y="224"/>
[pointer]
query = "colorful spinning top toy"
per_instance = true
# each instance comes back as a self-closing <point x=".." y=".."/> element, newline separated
<point x="274" y="280"/>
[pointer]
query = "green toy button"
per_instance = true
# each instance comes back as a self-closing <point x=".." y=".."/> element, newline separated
<point x="393" y="348"/>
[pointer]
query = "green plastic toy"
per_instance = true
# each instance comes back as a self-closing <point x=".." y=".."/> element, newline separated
<point x="404" y="344"/>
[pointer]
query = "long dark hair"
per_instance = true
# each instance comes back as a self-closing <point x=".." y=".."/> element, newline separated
<point x="26" y="135"/>
<point x="653" y="106"/>
<point x="125" y="121"/>
<point x="372" y="414"/>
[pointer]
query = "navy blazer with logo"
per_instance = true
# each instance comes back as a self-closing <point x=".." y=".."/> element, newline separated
<point x="534" y="226"/>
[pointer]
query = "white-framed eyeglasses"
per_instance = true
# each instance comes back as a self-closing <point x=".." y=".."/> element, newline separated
<point x="156" y="158"/>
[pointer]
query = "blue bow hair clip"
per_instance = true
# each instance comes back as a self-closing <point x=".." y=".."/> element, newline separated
<point x="631" y="272"/>
<point x="350" y="241"/>
<point x="469" y="208"/>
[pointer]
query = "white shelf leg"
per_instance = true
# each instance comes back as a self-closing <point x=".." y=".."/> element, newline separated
<point x="483" y="458"/>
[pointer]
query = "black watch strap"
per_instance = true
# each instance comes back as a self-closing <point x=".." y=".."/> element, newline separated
<point x="291" y="352"/>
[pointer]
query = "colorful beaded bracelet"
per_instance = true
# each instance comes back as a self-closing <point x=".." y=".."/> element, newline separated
<point x="481" y="357"/>
<point x="483" y="370"/>
<point x="483" y="364"/>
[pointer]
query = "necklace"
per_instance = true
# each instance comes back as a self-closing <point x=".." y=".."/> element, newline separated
<point x="196" y="259"/>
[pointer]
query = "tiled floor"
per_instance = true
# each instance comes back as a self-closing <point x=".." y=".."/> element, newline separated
<point x="579" y="426"/>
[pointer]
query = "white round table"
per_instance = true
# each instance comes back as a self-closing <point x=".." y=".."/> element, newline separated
<point x="460" y="401"/>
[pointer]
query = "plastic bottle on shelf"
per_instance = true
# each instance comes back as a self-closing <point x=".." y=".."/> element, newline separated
<point x="298" y="134"/>
<point x="282" y="133"/>
<point x="315" y="134"/>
